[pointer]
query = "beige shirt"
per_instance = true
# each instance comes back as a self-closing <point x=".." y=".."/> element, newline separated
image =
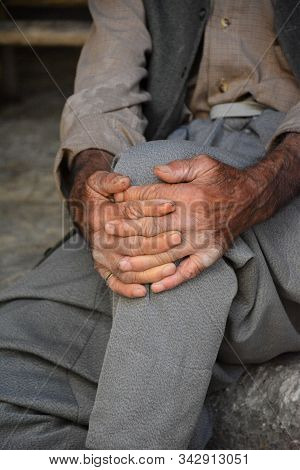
<point x="241" y="57"/>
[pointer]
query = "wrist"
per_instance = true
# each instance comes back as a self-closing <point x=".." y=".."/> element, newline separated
<point x="275" y="179"/>
<point x="84" y="165"/>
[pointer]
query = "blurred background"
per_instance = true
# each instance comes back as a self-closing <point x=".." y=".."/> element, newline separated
<point x="40" y="42"/>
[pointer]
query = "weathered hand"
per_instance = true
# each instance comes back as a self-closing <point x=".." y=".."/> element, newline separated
<point x="214" y="203"/>
<point x="108" y="250"/>
<point x="92" y="205"/>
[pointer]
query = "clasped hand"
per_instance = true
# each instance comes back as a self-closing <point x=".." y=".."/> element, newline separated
<point x="193" y="215"/>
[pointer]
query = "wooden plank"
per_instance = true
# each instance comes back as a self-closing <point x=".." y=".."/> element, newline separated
<point x="45" y="3"/>
<point x="44" y="33"/>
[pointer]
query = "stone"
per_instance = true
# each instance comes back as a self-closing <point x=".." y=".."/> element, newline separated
<point x="261" y="410"/>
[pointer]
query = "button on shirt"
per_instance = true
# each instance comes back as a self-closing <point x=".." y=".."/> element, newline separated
<point x="241" y="58"/>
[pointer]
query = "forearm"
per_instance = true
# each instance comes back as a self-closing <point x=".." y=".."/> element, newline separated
<point x="276" y="179"/>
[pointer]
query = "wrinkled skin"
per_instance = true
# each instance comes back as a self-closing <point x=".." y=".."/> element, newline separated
<point x="193" y="215"/>
<point x="213" y="203"/>
<point x="92" y="206"/>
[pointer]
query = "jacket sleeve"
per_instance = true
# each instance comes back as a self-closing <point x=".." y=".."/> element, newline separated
<point x="105" y="110"/>
<point x="291" y="123"/>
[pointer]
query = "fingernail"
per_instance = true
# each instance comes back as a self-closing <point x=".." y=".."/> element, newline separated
<point x="125" y="265"/>
<point x="157" y="287"/>
<point x="175" y="238"/>
<point x="139" y="291"/>
<point x="168" y="270"/>
<point x="123" y="181"/>
<point x="170" y="203"/>
<point x="163" y="168"/>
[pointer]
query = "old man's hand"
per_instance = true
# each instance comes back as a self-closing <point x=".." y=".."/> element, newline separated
<point x="92" y="205"/>
<point x="214" y="204"/>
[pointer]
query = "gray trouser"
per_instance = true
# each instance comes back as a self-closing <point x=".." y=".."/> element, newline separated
<point x="83" y="368"/>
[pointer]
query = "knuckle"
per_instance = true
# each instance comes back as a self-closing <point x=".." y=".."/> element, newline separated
<point x="139" y="245"/>
<point x="154" y="192"/>
<point x="130" y="245"/>
<point x="95" y="179"/>
<point x="161" y="258"/>
<point x="131" y="228"/>
<point x="191" y="271"/>
<point x="164" y="224"/>
<point x="115" y="267"/>
<point x="131" y="210"/>
<point x="148" y="227"/>
<point x="123" y="277"/>
<point x="140" y="278"/>
<point x="147" y="245"/>
<point x="129" y="277"/>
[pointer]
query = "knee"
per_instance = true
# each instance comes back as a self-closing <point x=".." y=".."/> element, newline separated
<point x="137" y="162"/>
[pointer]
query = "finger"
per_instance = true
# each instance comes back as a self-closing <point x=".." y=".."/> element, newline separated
<point x="146" y="192"/>
<point x="147" y="226"/>
<point x="139" y="246"/>
<point x="177" y="171"/>
<point x="184" y="171"/>
<point x="149" y="276"/>
<point x="107" y="183"/>
<point x="126" y="290"/>
<point x="187" y="269"/>
<point x="132" y="246"/>
<point x="138" y="209"/>
<point x="142" y="263"/>
<point x="117" y="286"/>
<point x="108" y="211"/>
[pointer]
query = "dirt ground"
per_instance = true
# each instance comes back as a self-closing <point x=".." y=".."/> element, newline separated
<point x="31" y="212"/>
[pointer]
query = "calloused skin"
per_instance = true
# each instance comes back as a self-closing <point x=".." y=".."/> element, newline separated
<point x="205" y="205"/>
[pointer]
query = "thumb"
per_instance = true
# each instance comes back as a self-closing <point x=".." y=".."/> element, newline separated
<point x="107" y="183"/>
<point x="178" y="171"/>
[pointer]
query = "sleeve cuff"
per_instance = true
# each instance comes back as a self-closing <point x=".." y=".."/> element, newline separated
<point x="291" y="123"/>
<point x="97" y="132"/>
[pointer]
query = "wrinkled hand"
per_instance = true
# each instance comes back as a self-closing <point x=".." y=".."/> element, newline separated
<point x="92" y="206"/>
<point x="214" y="203"/>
